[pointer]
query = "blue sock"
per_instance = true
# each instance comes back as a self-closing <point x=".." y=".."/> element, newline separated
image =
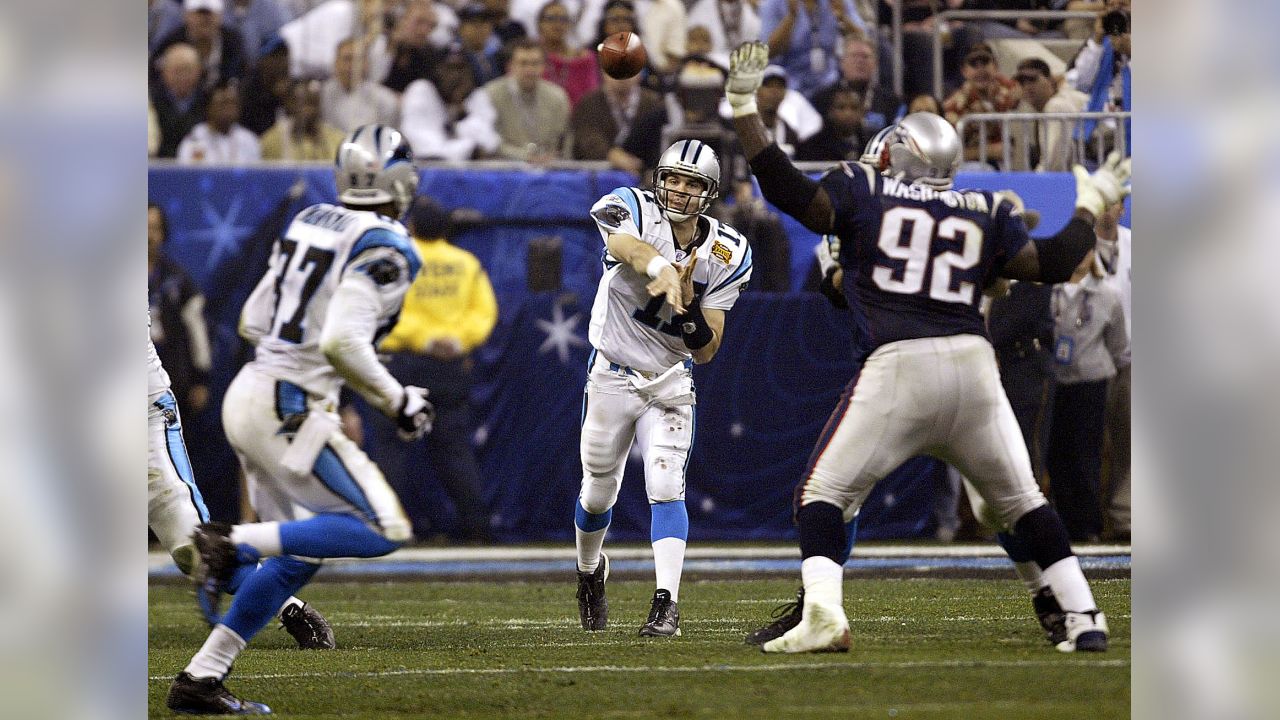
<point x="590" y="522"/>
<point x="668" y="519"/>
<point x="333" y="535"/>
<point x="851" y="532"/>
<point x="242" y="573"/>
<point x="264" y="591"/>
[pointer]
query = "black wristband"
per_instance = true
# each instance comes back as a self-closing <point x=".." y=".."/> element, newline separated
<point x="694" y="328"/>
<point x="1060" y="254"/>
<point x="833" y="292"/>
<point x="781" y="183"/>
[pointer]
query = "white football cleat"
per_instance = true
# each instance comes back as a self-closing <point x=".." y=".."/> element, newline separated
<point x="824" y="628"/>
<point x="1086" y="632"/>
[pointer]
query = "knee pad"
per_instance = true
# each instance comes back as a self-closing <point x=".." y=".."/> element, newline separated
<point x="664" y="477"/>
<point x="598" y="494"/>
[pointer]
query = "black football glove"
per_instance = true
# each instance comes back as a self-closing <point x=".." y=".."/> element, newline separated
<point x="416" y="414"/>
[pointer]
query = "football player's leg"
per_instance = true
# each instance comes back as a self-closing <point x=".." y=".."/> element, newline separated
<point x="609" y="413"/>
<point x="666" y="437"/>
<point x="260" y="597"/>
<point x="987" y="447"/>
<point x="1043" y="601"/>
<point x="357" y="514"/>
<point x="862" y="442"/>
<point x="174" y="504"/>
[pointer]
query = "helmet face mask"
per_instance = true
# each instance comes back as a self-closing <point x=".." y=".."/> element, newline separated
<point x="876" y="152"/>
<point x="374" y="166"/>
<point x="690" y="159"/>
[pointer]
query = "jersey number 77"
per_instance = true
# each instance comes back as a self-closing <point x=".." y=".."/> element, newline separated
<point x="299" y="283"/>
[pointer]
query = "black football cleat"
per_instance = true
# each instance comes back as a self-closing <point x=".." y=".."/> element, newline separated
<point x="308" y="627"/>
<point x="593" y="606"/>
<point x="785" y="617"/>
<point x="218" y="563"/>
<point x="208" y="696"/>
<point x="1050" y="614"/>
<point x="664" y="617"/>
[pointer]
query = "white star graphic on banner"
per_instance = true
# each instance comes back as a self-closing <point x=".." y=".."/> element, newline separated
<point x="222" y="231"/>
<point x="560" y="334"/>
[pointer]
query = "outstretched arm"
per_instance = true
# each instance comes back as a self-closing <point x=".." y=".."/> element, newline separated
<point x="1054" y="259"/>
<point x="780" y="182"/>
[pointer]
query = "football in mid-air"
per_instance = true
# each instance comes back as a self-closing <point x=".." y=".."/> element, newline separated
<point x="622" y="55"/>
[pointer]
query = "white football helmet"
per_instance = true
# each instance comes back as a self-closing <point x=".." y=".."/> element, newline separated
<point x="374" y="165"/>
<point x="924" y="148"/>
<point x="692" y="158"/>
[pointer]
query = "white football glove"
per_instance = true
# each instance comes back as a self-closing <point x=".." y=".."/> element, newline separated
<point x="828" y="252"/>
<point x="746" y="72"/>
<point x="1107" y="185"/>
<point x="416" y="413"/>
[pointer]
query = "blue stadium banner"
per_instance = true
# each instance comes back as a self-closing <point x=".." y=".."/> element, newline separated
<point x="761" y="403"/>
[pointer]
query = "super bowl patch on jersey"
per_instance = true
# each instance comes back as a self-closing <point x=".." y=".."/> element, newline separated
<point x="721" y="252"/>
<point x="611" y="215"/>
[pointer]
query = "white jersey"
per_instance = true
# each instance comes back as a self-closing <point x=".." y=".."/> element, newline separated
<point x="286" y="313"/>
<point x="157" y="377"/>
<point x="627" y="325"/>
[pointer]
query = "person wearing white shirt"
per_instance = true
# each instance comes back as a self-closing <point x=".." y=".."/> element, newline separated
<point x="1115" y="256"/>
<point x="452" y="121"/>
<point x="220" y="139"/>
<point x="348" y="100"/>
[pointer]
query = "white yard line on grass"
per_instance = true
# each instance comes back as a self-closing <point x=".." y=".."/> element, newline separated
<point x="773" y="667"/>
<point x="644" y="552"/>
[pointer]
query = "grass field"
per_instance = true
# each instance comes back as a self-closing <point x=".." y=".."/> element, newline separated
<point x="922" y="648"/>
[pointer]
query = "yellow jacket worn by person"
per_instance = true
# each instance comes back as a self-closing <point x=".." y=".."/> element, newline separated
<point x="450" y="297"/>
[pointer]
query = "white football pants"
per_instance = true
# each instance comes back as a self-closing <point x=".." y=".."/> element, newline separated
<point x="174" y="504"/>
<point x="615" y="413"/>
<point x="930" y="396"/>
<point x="342" y="479"/>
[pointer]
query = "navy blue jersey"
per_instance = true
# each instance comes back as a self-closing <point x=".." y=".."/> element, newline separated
<point x="916" y="259"/>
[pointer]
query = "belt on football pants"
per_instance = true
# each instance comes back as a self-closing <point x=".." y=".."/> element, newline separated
<point x="625" y="370"/>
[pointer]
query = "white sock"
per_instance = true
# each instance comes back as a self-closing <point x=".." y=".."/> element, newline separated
<point x="668" y="562"/>
<point x="823" y="581"/>
<point x="1029" y="573"/>
<point x="1069" y="586"/>
<point x="589" y="544"/>
<point x="291" y="601"/>
<point x="217" y="654"/>
<point x="263" y="537"/>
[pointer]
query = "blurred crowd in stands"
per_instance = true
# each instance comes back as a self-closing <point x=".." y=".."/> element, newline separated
<point x="238" y="81"/>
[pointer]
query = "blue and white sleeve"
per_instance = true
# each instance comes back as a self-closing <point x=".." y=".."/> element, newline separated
<point x="619" y="212"/>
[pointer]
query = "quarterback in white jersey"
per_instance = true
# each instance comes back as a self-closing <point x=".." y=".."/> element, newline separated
<point x="175" y="506"/>
<point x="671" y="274"/>
<point x="335" y="285"/>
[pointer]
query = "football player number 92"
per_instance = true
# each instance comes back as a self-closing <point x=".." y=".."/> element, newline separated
<point x="916" y="254"/>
